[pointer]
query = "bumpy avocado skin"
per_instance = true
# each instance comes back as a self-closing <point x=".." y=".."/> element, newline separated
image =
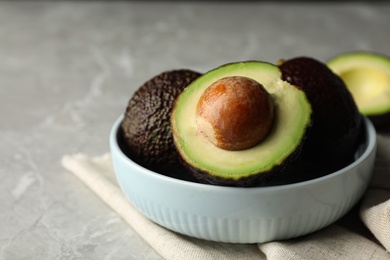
<point x="147" y="137"/>
<point x="335" y="131"/>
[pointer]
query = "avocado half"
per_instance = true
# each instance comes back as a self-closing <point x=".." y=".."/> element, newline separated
<point x="255" y="165"/>
<point x="367" y="76"/>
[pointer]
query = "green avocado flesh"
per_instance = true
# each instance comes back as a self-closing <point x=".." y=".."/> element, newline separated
<point x="292" y="119"/>
<point x="367" y="76"/>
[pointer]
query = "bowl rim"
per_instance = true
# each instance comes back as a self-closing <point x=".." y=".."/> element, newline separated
<point x="370" y="147"/>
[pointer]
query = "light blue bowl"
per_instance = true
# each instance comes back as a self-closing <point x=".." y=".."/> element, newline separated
<point x="244" y="215"/>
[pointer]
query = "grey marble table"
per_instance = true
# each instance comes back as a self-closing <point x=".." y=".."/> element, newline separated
<point x="67" y="70"/>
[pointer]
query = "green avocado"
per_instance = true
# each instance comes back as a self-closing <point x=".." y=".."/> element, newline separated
<point x="249" y="166"/>
<point x="367" y="76"/>
<point x="336" y="128"/>
<point x="146" y="136"/>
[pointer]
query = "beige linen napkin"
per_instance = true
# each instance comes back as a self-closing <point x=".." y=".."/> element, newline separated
<point x="363" y="234"/>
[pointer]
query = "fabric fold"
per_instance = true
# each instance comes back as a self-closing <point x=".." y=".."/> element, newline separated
<point x="334" y="242"/>
<point x="375" y="213"/>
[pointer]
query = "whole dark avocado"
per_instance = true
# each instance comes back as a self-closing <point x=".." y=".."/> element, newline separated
<point x="146" y="132"/>
<point x="336" y="126"/>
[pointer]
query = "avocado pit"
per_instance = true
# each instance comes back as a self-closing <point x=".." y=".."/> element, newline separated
<point x="235" y="113"/>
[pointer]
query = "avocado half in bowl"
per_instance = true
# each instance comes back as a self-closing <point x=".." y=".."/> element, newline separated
<point x="244" y="215"/>
<point x="240" y="124"/>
